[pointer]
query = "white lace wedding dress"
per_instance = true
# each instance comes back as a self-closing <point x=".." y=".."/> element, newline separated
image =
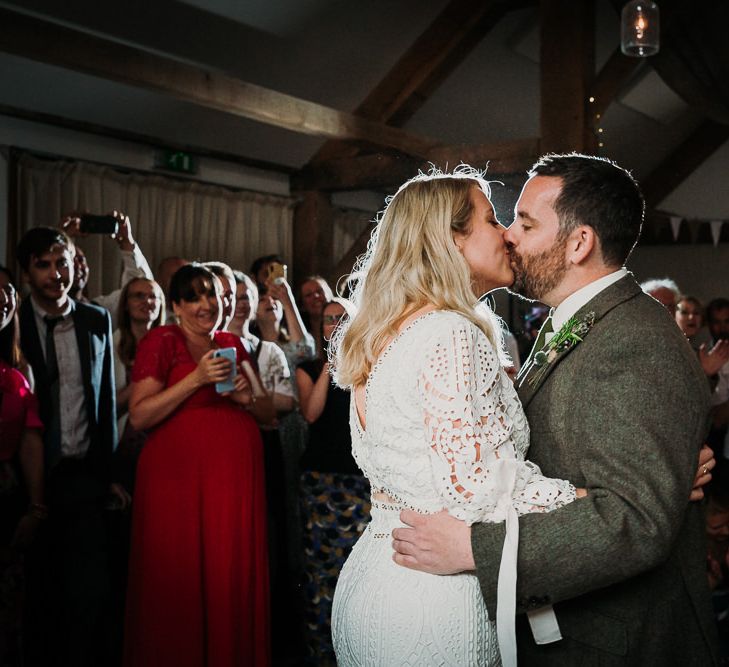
<point x="444" y="429"/>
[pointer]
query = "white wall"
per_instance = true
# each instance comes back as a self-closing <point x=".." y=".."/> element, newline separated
<point x="71" y="144"/>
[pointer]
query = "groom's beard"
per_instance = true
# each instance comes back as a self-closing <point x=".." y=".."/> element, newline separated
<point x="537" y="275"/>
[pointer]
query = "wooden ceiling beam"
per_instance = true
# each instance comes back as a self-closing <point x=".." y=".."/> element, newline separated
<point x="567" y="67"/>
<point x="683" y="161"/>
<point x="139" y="138"/>
<point x="52" y="44"/>
<point x="385" y="170"/>
<point x="425" y="65"/>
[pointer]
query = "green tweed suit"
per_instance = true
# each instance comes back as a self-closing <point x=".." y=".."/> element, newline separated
<point x="622" y="413"/>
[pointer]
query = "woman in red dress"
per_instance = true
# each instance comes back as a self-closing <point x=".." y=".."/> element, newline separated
<point x="198" y="573"/>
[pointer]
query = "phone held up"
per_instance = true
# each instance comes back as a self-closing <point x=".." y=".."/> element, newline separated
<point x="227" y="385"/>
<point x="98" y="224"/>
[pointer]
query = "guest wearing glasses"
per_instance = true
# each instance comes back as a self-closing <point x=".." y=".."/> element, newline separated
<point x="141" y="308"/>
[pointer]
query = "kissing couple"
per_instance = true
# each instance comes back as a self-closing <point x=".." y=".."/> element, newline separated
<point x="552" y="516"/>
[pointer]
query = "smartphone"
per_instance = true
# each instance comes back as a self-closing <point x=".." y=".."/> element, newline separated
<point x="227" y="385"/>
<point x="276" y="272"/>
<point x="98" y="224"/>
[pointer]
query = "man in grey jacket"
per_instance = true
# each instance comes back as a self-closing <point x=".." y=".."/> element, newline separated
<point x="623" y="569"/>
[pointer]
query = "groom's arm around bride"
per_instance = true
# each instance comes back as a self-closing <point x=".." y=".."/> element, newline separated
<point x="621" y="412"/>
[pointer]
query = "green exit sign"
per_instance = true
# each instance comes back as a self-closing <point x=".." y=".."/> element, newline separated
<point x="178" y="161"/>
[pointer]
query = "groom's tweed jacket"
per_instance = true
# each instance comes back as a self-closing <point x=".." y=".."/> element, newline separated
<point x="622" y="413"/>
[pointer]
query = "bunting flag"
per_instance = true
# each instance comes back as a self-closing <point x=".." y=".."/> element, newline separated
<point x="694" y="225"/>
<point x="716" y="226"/>
<point x="675" y="226"/>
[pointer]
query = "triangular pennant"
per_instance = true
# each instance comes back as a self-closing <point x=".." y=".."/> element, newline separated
<point x="716" y="231"/>
<point x="675" y="226"/>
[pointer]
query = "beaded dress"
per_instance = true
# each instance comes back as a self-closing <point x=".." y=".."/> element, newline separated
<point x="444" y="430"/>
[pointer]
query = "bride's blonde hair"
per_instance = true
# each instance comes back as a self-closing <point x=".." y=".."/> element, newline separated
<point x="412" y="261"/>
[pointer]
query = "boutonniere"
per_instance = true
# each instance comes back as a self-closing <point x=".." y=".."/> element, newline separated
<point x="571" y="333"/>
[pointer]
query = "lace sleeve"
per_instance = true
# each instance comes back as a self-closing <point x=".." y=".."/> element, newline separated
<point x="469" y="419"/>
<point x="155" y="355"/>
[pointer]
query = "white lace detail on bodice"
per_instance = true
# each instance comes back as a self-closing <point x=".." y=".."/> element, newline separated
<point x="445" y="428"/>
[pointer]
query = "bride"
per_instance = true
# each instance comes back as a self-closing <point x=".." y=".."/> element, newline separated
<point x="436" y="424"/>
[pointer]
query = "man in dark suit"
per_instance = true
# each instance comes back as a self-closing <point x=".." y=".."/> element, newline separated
<point x="617" y="577"/>
<point x="68" y="345"/>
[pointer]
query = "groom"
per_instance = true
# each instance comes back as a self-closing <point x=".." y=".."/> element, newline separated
<point x="623" y="568"/>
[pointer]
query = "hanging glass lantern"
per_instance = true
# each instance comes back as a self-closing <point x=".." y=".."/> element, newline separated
<point x="640" y="29"/>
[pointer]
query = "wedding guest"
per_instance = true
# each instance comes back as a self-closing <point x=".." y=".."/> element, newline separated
<point x="270" y="358"/>
<point x="315" y="292"/>
<point x="275" y="301"/>
<point x="227" y="294"/>
<point x="165" y="270"/>
<point x="717" y="534"/>
<point x="198" y="572"/>
<point x="663" y="290"/>
<point x="335" y="500"/>
<point x="21" y="472"/>
<point x="260" y="266"/>
<point x="133" y="261"/>
<point x="280" y="482"/>
<point x="68" y="344"/>
<point x="689" y="317"/>
<point x="717" y="318"/>
<point x="141" y="308"/>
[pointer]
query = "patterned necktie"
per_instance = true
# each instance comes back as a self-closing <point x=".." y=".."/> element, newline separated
<point x="53" y="434"/>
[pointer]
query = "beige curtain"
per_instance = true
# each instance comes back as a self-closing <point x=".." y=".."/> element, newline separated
<point x="169" y="216"/>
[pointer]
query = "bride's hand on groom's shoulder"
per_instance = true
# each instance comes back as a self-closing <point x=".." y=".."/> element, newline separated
<point x="435" y="543"/>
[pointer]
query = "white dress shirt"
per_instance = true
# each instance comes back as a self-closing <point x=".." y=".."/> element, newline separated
<point x="576" y="300"/>
<point x="74" y="421"/>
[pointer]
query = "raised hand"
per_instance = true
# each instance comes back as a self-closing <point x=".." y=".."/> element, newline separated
<point x="281" y="291"/>
<point x="712" y="360"/>
<point x="124" y="235"/>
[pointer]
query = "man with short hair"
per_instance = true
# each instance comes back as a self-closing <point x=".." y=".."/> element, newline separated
<point x="68" y="344"/>
<point x="617" y="577"/>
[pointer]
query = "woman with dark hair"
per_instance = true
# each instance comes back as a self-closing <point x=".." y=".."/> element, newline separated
<point x="198" y="574"/>
<point x="21" y="469"/>
<point x="335" y="501"/>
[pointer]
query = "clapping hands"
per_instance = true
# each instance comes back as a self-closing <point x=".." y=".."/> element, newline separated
<point x="712" y="360"/>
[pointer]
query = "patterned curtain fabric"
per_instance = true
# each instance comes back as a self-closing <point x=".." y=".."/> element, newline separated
<point x="169" y="216"/>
